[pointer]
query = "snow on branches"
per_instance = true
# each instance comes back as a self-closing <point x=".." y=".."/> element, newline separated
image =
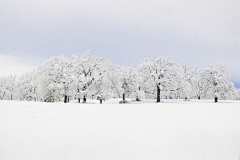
<point x="215" y="82"/>
<point x="88" y="76"/>
<point x="159" y="75"/>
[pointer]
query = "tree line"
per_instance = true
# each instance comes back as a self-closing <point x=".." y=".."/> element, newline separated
<point x="88" y="76"/>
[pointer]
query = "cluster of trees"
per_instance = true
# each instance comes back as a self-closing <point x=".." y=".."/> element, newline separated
<point x="88" y="76"/>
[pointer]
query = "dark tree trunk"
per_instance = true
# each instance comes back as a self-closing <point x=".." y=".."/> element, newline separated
<point x="3" y="96"/>
<point x="138" y="99"/>
<point x="78" y="90"/>
<point x="123" y="97"/>
<point x="158" y="94"/>
<point x="65" y="99"/>
<point x="100" y="101"/>
<point x="199" y="97"/>
<point x="84" y="99"/>
<point x="68" y="99"/>
<point x="216" y="99"/>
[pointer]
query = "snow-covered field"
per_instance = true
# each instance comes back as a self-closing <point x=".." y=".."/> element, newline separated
<point x="171" y="130"/>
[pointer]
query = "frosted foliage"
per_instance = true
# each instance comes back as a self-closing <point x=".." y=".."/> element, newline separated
<point x="215" y="82"/>
<point x="158" y="73"/>
<point x="55" y="78"/>
<point x="88" y="76"/>
<point x="28" y="87"/>
<point x="7" y="88"/>
<point x="114" y="76"/>
<point x="187" y="82"/>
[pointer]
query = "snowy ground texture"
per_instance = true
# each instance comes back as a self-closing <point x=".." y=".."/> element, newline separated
<point x="171" y="130"/>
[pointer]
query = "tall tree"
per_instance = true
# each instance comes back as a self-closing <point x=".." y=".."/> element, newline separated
<point x="159" y="74"/>
<point x="213" y="78"/>
<point x="8" y="87"/>
<point x="55" y="78"/>
<point x="88" y="67"/>
<point x="27" y="86"/>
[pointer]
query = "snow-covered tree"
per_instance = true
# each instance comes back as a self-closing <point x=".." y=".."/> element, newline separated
<point x="55" y="79"/>
<point x="128" y="81"/>
<point x="136" y="83"/>
<point x="8" y="87"/>
<point x="188" y="81"/>
<point x="3" y="81"/>
<point x="101" y="88"/>
<point x="27" y="87"/>
<point x="237" y="91"/>
<point x="159" y="74"/>
<point x="114" y="76"/>
<point x="88" y="68"/>
<point x="227" y="91"/>
<point x="197" y="84"/>
<point x="90" y="76"/>
<point x="213" y="78"/>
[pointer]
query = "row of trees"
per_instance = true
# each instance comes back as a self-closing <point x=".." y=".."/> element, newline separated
<point x="88" y="76"/>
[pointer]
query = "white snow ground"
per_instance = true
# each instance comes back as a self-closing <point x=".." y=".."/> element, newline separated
<point x="172" y="130"/>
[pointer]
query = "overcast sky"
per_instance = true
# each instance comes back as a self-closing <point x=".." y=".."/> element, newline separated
<point x="196" y="32"/>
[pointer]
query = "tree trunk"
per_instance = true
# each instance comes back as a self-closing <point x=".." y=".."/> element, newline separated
<point x="137" y="98"/>
<point x="199" y="97"/>
<point x="68" y="99"/>
<point x="158" y="94"/>
<point x="65" y="99"/>
<point x="3" y="96"/>
<point x="123" y="97"/>
<point x="216" y="99"/>
<point x="78" y="90"/>
<point x="84" y="99"/>
<point x="100" y="101"/>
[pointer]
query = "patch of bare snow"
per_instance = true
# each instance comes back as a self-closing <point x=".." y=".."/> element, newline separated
<point x="170" y="130"/>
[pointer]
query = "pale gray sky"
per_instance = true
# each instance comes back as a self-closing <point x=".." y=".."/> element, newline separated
<point x="196" y="32"/>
